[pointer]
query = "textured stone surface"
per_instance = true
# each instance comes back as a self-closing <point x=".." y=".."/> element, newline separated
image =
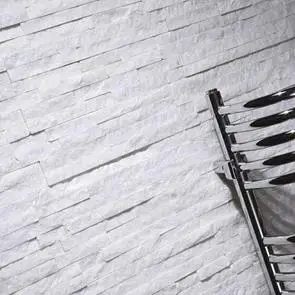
<point x="107" y="146"/>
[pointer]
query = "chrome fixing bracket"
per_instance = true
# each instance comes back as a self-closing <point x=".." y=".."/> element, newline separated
<point x="224" y="167"/>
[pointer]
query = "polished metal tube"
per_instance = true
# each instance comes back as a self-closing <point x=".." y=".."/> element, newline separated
<point x="275" y="161"/>
<point x="285" y="94"/>
<point x="262" y="122"/>
<point x="280" y="240"/>
<point x="265" y="142"/>
<point x="288" y="259"/>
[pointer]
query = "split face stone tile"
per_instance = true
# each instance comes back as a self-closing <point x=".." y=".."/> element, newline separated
<point x="12" y="13"/>
<point x="20" y="191"/>
<point x="13" y="127"/>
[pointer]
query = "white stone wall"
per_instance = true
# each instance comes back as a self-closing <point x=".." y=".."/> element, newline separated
<point x="107" y="146"/>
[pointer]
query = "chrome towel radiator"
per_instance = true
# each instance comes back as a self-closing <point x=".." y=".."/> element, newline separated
<point x="262" y="133"/>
